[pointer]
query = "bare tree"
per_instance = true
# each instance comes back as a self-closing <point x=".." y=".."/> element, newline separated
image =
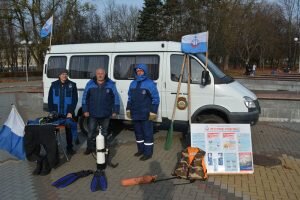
<point x="97" y="32"/>
<point x="127" y="22"/>
<point x="289" y="8"/>
<point x="239" y="30"/>
<point x="29" y="18"/>
<point x="120" y="21"/>
<point x="111" y="20"/>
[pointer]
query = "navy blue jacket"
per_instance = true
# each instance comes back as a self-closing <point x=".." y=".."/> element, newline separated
<point x="100" y="100"/>
<point x="62" y="97"/>
<point x="143" y="96"/>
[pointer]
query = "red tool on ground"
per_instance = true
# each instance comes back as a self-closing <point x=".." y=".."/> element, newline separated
<point x="143" y="180"/>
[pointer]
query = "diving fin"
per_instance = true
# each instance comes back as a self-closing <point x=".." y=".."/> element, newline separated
<point x="99" y="181"/>
<point x="71" y="178"/>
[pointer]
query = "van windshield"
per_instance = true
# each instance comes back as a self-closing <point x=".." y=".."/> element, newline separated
<point x="219" y="76"/>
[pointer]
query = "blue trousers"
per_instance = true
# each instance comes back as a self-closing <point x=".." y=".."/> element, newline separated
<point x="144" y="136"/>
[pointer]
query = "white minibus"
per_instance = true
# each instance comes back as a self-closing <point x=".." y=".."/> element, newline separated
<point x="215" y="97"/>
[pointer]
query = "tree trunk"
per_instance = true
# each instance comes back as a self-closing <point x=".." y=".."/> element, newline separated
<point x="226" y="62"/>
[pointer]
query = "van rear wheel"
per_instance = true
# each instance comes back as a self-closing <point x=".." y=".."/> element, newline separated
<point x="209" y="119"/>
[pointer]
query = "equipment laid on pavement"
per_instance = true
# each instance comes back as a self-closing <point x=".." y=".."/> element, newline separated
<point x="143" y="180"/>
<point x="99" y="181"/>
<point x="71" y="178"/>
<point x="191" y="165"/>
<point x="36" y="137"/>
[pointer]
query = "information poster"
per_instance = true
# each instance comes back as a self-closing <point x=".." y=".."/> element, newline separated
<point x="228" y="147"/>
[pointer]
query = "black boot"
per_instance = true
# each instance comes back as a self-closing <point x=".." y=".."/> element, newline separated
<point x="77" y="141"/>
<point x="144" y="157"/>
<point x="46" y="168"/>
<point x="70" y="151"/>
<point x="38" y="168"/>
<point x="138" y="154"/>
<point x="88" y="152"/>
<point x="69" y="138"/>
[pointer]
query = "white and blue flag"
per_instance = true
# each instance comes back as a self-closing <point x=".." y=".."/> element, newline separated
<point x="12" y="134"/>
<point x="195" y="43"/>
<point x="47" y="28"/>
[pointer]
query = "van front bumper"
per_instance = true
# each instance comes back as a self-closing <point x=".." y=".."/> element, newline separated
<point x="251" y="117"/>
<point x="244" y="117"/>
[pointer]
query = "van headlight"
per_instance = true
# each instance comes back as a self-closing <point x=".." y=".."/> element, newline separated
<point x="249" y="102"/>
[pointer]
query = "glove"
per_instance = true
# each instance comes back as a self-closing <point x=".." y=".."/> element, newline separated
<point x="152" y="116"/>
<point x="128" y="114"/>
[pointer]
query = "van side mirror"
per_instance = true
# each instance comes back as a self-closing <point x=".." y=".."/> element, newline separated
<point x="205" y="79"/>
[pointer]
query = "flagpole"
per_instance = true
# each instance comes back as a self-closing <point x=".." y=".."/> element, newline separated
<point x="51" y="35"/>
<point x="189" y="89"/>
<point x="206" y="60"/>
<point x="53" y="4"/>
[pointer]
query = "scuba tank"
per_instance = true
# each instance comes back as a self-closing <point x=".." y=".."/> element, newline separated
<point x="99" y="181"/>
<point x="101" y="151"/>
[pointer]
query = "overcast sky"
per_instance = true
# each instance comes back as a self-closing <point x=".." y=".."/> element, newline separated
<point x="99" y="3"/>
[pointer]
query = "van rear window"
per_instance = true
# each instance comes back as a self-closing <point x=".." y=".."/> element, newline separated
<point x="124" y="66"/>
<point x="55" y="63"/>
<point x="84" y="67"/>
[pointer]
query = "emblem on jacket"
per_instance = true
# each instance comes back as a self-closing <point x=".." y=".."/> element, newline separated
<point x="144" y="92"/>
<point x="70" y="85"/>
<point x="107" y="90"/>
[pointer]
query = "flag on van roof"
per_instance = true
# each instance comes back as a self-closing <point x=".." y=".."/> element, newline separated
<point x="47" y="28"/>
<point x="12" y="134"/>
<point x="195" y="43"/>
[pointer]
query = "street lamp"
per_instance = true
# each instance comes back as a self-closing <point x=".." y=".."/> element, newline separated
<point x="298" y="42"/>
<point x="26" y="44"/>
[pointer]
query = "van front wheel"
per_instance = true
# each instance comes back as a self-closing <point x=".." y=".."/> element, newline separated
<point x="209" y="119"/>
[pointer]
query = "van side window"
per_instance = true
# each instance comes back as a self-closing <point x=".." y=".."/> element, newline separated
<point x="55" y="63"/>
<point x="124" y="66"/>
<point x="84" y="67"/>
<point x="176" y="64"/>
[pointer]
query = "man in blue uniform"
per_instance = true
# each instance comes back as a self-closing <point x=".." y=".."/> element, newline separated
<point x="142" y="107"/>
<point x="100" y="102"/>
<point x="62" y="99"/>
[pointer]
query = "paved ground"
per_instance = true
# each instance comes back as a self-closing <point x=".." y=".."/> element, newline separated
<point x="272" y="181"/>
<point x="268" y="182"/>
<point x="21" y="87"/>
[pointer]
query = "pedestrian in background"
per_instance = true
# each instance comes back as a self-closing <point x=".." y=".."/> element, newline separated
<point x="142" y="107"/>
<point x="247" y="69"/>
<point x="254" y="69"/>
<point x="100" y="102"/>
<point x="62" y="99"/>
